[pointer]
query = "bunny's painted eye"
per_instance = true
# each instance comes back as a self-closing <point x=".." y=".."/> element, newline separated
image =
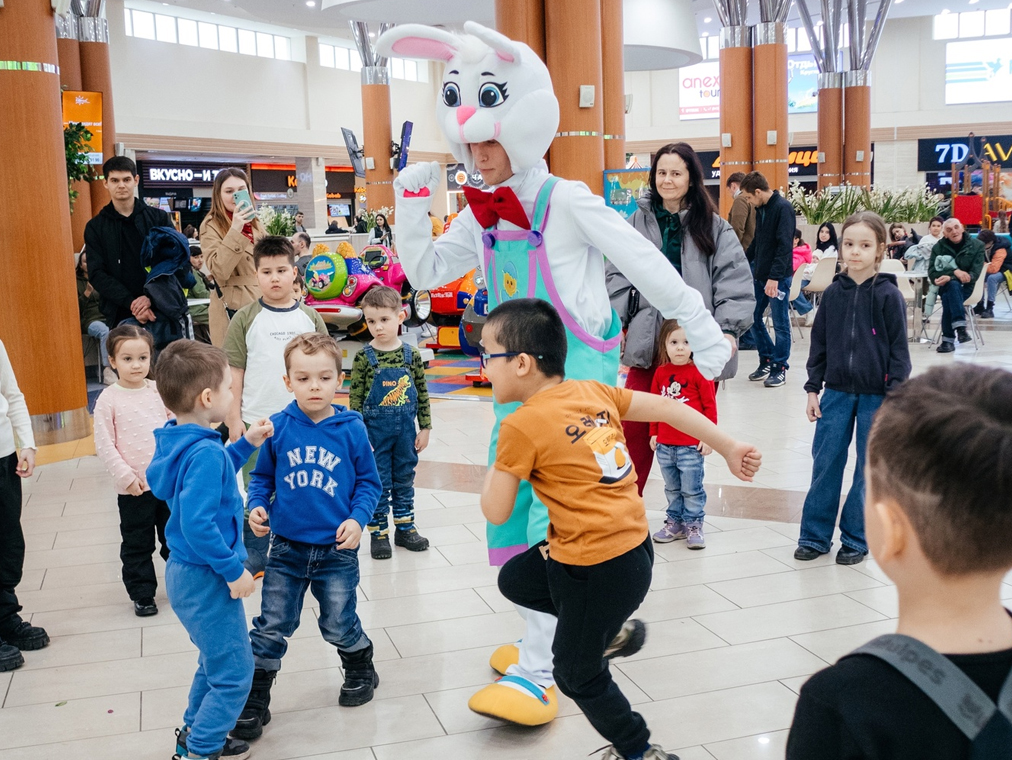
<point x="451" y="95"/>
<point x="492" y="95"/>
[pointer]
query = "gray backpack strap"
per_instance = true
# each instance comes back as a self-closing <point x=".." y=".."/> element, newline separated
<point x="946" y="685"/>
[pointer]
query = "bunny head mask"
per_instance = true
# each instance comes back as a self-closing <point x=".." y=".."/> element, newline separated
<point x="493" y="89"/>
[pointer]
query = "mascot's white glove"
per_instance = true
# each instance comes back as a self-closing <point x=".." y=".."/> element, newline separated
<point x="418" y="180"/>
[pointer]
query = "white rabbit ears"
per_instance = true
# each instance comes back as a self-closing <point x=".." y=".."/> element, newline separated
<point x="432" y="44"/>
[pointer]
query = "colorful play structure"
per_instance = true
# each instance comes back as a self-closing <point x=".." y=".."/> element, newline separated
<point x="978" y="209"/>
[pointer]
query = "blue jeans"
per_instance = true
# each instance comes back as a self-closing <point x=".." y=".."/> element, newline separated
<point x="216" y="624"/>
<point x="393" y="441"/>
<point x="801" y="304"/>
<point x="770" y="353"/>
<point x="953" y="294"/>
<point x="682" y="468"/>
<point x="100" y="330"/>
<point x="833" y="432"/>
<point x="994" y="282"/>
<point x="292" y="569"/>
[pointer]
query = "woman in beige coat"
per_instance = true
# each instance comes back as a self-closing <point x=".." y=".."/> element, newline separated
<point x="226" y="238"/>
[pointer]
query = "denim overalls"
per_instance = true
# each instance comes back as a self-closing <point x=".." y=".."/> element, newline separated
<point x="389" y="411"/>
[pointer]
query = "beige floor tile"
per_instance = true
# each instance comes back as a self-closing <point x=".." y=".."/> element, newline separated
<point x="870" y="568"/>
<point x="66" y="719"/>
<point x="459" y="499"/>
<point x="40" y="542"/>
<point x="463" y="633"/>
<point x="785" y="554"/>
<point x="108" y="618"/>
<point x="101" y="520"/>
<point x="722" y="668"/>
<point x="725" y="542"/>
<point x="31" y="580"/>
<point x="90" y="507"/>
<point x="769" y="745"/>
<point x="78" y="649"/>
<point x="443" y="605"/>
<point x="675" y="637"/>
<point x="68" y="538"/>
<point x="79" y="555"/>
<point x="93" y="575"/>
<point x="465" y="554"/>
<point x="413" y="583"/>
<point x="795" y="684"/>
<point x="449" y="535"/>
<point x="711" y="569"/>
<point x="499" y="603"/>
<point x="437" y="518"/>
<point x="671" y="603"/>
<point x="833" y="644"/>
<point x="42" y="511"/>
<point x="401" y="561"/>
<point x="786" y="587"/>
<point x="788" y="618"/>
<point x="883" y="600"/>
<point x="76" y="597"/>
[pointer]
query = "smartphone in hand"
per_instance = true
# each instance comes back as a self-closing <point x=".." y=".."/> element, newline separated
<point x="242" y="197"/>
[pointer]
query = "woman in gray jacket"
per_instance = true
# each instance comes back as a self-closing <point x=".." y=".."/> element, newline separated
<point x="677" y="215"/>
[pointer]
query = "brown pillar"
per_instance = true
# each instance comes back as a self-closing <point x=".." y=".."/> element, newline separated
<point x="379" y="188"/>
<point x="96" y="76"/>
<point x="769" y="75"/>
<point x="524" y="21"/>
<point x="38" y="317"/>
<point x="735" y="107"/>
<point x="857" y="132"/>
<point x="573" y="43"/>
<point x="69" y="51"/>
<point x="830" y="135"/>
<point x="613" y="71"/>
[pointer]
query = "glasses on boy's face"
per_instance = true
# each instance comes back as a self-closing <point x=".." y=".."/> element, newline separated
<point x="486" y="358"/>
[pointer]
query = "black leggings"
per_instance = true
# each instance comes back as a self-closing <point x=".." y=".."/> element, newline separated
<point x="141" y="518"/>
<point x="12" y="542"/>
<point x="592" y="602"/>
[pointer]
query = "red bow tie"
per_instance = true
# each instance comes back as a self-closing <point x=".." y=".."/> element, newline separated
<point x="489" y="208"/>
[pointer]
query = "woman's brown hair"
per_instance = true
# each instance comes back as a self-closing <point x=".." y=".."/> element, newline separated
<point x="218" y="215"/>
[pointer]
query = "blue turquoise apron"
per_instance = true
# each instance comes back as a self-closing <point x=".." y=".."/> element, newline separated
<point x="517" y="266"/>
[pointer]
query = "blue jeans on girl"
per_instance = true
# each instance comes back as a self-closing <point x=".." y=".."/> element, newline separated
<point x="841" y="412"/>
<point x="682" y="468"/>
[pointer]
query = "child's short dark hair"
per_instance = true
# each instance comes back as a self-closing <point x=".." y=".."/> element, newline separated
<point x="313" y="343"/>
<point x="381" y="297"/>
<point x="119" y="164"/>
<point x="120" y="335"/>
<point x="754" y="181"/>
<point x="271" y="246"/>
<point x="531" y="326"/>
<point x="941" y="446"/>
<point x="185" y="369"/>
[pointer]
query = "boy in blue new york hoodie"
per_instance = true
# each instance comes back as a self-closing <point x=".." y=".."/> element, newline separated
<point x="204" y="576"/>
<point x="316" y="481"/>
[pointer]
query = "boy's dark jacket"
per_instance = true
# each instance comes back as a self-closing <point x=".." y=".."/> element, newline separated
<point x="772" y="250"/>
<point x="311" y="477"/>
<point x="859" y="339"/>
<point x="195" y="475"/>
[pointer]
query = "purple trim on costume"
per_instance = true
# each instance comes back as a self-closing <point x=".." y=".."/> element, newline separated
<point x="500" y="556"/>
<point x="507" y="235"/>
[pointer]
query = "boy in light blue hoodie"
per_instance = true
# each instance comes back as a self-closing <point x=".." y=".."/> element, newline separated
<point x="205" y="577"/>
<point x="317" y="484"/>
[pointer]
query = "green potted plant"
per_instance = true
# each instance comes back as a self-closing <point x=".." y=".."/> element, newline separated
<point x="75" y="142"/>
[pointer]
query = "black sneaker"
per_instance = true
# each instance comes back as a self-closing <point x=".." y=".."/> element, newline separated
<point x="26" y="637"/>
<point x="10" y="657"/>
<point x="946" y="347"/>
<point x="233" y="749"/>
<point x="379" y="547"/>
<point x="628" y="641"/>
<point x="778" y="376"/>
<point x="762" y="373"/>
<point x="145" y="607"/>
<point x="847" y="556"/>
<point x="962" y="335"/>
<point x="256" y="714"/>
<point x="411" y="540"/>
<point x="807" y="553"/>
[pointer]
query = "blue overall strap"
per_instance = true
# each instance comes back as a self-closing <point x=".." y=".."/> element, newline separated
<point x="543" y="203"/>
<point x="407" y="355"/>
<point x="370" y="354"/>
<point x="956" y="695"/>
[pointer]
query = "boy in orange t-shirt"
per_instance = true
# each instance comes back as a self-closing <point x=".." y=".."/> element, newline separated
<point x="594" y="570"/>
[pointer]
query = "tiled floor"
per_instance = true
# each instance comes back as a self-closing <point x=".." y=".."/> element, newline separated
<point x="734" y="630"/>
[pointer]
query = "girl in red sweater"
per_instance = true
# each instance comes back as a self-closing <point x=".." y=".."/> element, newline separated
<point x="680" y="456"/>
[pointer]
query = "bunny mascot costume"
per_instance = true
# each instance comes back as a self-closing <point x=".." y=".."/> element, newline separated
<point x="496" y="89"/>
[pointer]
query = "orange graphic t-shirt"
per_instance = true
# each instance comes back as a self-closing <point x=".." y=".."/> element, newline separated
<point x="567" y="441"/>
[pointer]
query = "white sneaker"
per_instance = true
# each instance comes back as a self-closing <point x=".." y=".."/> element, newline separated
<point x="109" y="376"/>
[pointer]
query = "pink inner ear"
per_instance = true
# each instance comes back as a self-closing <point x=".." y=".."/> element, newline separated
<point x="504" y="57"/>
<point x="420" y="47"/>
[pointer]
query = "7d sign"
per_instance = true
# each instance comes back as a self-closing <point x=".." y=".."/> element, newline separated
<point x="938" y="154"/>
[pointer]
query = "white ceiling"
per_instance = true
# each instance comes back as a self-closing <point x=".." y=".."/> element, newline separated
<point x="333" y="20"/>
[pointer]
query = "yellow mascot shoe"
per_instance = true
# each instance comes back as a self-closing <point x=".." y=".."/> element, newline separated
<point x="503" y="657"/>
<point x="516" y="700"/>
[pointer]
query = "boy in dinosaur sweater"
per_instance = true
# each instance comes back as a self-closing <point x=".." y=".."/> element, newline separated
<point x="388" y="388"/>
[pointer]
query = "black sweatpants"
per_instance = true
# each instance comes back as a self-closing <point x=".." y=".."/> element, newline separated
<point x="140" y="518"/>
<point x="12" y="542"/>
<point x="592" y="602"/>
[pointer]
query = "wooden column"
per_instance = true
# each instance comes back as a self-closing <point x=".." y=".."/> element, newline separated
<point x="523" y="21"/>
<point x="39" y="322"/>
<point x="379" y="188"/>
<point x="857" y="130"/>
<point x="770" y="147"/>
<point x="735" y="107"/>
<point x="573" y="43"/>
<point x="613" y="71"/>
<point x="69" y="50"/>
<point x="96" y="76"/>
<point x="830" y="135"/>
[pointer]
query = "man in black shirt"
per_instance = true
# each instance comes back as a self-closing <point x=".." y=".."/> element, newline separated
<point x="113" y="240"/>
<point x="939" y="525"/>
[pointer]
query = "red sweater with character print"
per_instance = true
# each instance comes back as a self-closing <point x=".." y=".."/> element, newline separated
<point x="685" y="384"/>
